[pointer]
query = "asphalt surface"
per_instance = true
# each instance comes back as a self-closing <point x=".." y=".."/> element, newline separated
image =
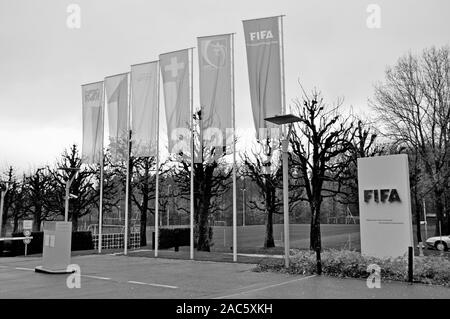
<point x="108" y="276"/>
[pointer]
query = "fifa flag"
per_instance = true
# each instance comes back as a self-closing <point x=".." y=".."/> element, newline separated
<point x="92" y="95"/>
<point x="116" y="88"/>
<point x="175" y="75"/>
<point x="262" y="41"/>
<point x="144" y="108"/>
<point x="215" y="89"/>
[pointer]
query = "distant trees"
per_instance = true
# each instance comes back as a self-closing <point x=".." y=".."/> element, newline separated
<point x="413" y="104"/>
<point x="84" y="187"/>
<point x="39" y="196"/>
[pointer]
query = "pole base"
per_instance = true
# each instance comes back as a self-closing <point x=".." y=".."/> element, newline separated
<point x="41" y="269"/>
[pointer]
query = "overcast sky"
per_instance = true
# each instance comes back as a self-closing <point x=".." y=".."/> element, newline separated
<point x="327" y="45"/>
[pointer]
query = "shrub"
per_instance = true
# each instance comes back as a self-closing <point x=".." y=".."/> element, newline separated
<point x="346" y="263"/>
<point x="169" y="238"/>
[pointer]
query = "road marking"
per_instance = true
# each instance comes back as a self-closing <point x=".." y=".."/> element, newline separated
<point x="96" y="277"/>
<point x="139" y="250"/>
<point x="149" y="284"/>
<point x="266" y="287"/>
<point x="21" y="268"/>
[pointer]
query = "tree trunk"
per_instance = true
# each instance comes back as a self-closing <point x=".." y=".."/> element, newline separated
<point x="417" y="206"/>
<point x="74" y="222"/>
<point x="269" y="241"/>
<point x="203" y="230"/>
<point x="143" y="228"/>
<point x="315" y="237"/>
<point x="37" y="219"/>
<point x="439" y="208"/>
<point x="16" y="224"/>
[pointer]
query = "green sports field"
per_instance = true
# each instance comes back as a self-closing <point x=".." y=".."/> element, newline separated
<point x="248" y="237"/>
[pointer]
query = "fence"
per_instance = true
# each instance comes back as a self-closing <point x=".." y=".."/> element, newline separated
<point x="115" y="240"/>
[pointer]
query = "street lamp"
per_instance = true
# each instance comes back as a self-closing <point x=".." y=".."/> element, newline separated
<point x="74" y="171"/>
<point x="280" y="120"/>
<point x="4" y="187"/>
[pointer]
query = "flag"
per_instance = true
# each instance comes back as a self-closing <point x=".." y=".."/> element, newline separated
<point x="175" y="75"/>
<point x="215" y="89"/>
<point x="92" y="95"/>
<point x="264" y="69"/>
<point x="116" y="88"/>
<point x="144" y="108"/>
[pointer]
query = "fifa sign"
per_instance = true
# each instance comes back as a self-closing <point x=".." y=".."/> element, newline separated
<point x="384" y="206"/>
<point x="381" y="195"/>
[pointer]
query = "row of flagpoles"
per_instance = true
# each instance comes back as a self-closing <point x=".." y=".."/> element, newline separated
<point x="132" y="100"/>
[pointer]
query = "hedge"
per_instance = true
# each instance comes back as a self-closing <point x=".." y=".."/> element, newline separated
<point x="351" y="264"/>
<point x="169" y="238"/>
<point x="81" y="240"/>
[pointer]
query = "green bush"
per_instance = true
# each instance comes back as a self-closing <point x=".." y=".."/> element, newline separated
<point x="351" y="264"/>
<point x="169" y="238"/>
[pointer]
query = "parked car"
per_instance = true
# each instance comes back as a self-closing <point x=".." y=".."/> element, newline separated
<point x="439" y="242"/>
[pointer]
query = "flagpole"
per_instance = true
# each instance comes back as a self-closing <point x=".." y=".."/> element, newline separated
<point x="192" y="160"/>
<point x="100" y="217"/>
<point x="157" y="171"/>
<point x="285" y="159"/>
<point x="234" y="156"/>
<point x="127" y="183"/>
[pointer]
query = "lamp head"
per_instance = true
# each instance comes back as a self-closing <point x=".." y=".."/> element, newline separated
<point x="283" y="119"/>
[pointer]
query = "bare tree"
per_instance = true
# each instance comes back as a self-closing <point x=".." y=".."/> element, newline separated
<point x="211" y="181"/>
<point x="84" y="187"/>
<point x="414" y="105"/>
<point x="362" y="145"/>
<point x="320" y="142"/>
<point x="40" y="194"/>
<point x="20" y="204"/>
<point x="265" y="171"/>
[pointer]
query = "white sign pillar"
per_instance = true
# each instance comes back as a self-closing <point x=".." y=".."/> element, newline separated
<point x="385" y="206"/>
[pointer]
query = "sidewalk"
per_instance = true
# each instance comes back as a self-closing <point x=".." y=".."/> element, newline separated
<point x="108" y="276"/>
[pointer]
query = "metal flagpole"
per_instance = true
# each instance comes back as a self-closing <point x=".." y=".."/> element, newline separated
<point x="192" y="158"/>
<point x="157" y="171"/>
<point x="100" y="213"/>
<point x="127" y="183"/>
<point x="285" y="146"/>
<point x="234" y="156"/>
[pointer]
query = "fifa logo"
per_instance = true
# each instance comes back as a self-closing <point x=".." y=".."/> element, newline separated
<point x="92" y="95"/>
<point x="381" y="195"/>
<point x="261" y="35"/>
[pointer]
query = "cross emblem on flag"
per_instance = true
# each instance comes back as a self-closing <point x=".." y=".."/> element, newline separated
<point x="174" y="66"/>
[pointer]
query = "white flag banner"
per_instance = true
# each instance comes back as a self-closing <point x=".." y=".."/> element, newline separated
<point x="144" y="108"/>
<point x="175" y="75"/>
<point x="116" y="88"/>
<point x="92" y="103"/>
<point x="215" y="89"/>
<point x="264" y="69"/>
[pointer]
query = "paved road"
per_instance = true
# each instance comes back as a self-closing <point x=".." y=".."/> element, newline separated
<point x="106" y="276"/>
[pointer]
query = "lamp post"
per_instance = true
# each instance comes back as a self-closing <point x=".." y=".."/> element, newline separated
<point x="243" y="201"/>
<point x="280" y="120"/>
<point x="74" y="171"/>
<point x="4" y="186"/>
<point x="243" y="206"/>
